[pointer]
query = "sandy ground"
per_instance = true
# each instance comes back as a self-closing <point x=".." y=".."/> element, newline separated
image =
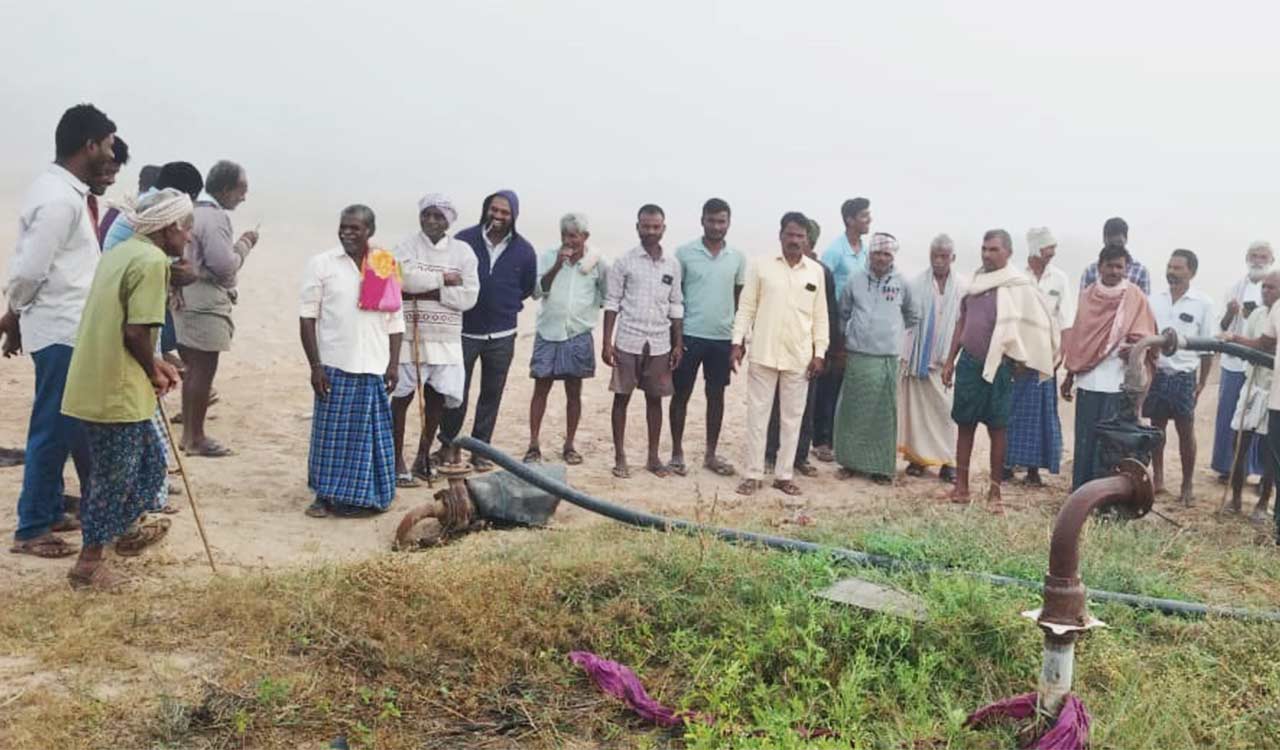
<point x="252" y="502"/>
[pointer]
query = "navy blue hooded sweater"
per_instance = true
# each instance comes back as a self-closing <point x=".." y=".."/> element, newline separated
<point x="505" y="286"/>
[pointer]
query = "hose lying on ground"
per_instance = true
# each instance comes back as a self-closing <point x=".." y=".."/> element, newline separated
<point x="651" y="521"/>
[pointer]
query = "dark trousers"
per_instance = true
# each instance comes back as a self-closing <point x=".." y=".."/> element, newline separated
<point x="1271" y="452"/>
<point x="824" y="407"/>
<point x="495" y="357"/>
<point x="51" y="438"/>
<point x="168" y="334"/>
<point x="806" y="429"/>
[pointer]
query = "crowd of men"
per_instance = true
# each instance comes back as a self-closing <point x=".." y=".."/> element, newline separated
<point x="846" y="359"/>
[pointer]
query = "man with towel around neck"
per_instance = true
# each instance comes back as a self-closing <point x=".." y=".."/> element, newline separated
<point x="1005" y="327"/>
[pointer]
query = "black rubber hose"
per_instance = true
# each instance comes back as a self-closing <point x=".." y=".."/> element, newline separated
<point x="1247" y="353"/>
<point x="651" y="521"/>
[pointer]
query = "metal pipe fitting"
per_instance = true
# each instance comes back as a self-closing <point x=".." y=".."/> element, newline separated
<point x="1202" y="344"/>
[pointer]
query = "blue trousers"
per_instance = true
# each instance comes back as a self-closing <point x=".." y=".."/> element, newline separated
<point x="51" y="438"/>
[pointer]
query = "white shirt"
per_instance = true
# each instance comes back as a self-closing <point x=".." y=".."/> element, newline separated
<point x="1107" y="377"/>
<point x="1273" y="324"/>
<point x="1243" y="291"/>
<point x="350" y="339"/>
<point x="1056" y="287"/>
<point x="494" y="252"/>
<point x="1191" y="315"/>
<point x="54" y="261"/>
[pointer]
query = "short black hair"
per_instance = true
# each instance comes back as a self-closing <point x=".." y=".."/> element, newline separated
<point x="854" y="206"/>
<point x="120" y="151"/>
<point x="1192" y="261"/>
<point x="148" y="175"/>
<point x="794" y="217"/>
<point x="999" y="234"/>
<point x="223" y="176"/>
<point x="651" y="208"/>
<point x="1111" y="252"/>
<point x="180" y="175"/>
<point x="78" y="126"/>
<point x="715" y="206"/>
<point x="364" y="213"/>
<point x="1114" y="226"/>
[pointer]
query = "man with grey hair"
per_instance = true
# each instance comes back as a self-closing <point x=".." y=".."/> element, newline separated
<point x="203" y="318"/>
<point x="1035" y="430"/>
<point x="926" y="434"/>
<point x="572" y="283"/>
<point x="1243" y="298"/>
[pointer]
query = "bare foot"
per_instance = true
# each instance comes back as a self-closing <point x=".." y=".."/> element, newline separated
<point x="1188" y="495"/>
<point x="995" y="505"/>
<point x="955" y="495"/>
<point x="1259" y="514"/>
<point x="658" y="469"/>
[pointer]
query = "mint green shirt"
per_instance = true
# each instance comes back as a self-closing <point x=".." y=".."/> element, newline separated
<point x="708" y="284"/>
<point x="571" y="307"/>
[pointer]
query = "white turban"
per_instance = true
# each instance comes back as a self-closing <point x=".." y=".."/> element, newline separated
<point x="438" y="201"/>
<point x="1038" y="238"/>
<point x="885" y="243"/>
<point x="160" y="209"/>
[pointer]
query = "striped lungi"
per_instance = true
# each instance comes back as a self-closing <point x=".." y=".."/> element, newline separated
<point x="1035" y="432"/>
<point x="352" y="459"/>
<point x="866" y="427"/>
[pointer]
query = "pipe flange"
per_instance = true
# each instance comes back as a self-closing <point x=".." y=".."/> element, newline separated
<point x="1144" y="491"/>
<point x="1057" y="628"/>
<point x="1172" y="342"/>
<point x="459" y="470"/>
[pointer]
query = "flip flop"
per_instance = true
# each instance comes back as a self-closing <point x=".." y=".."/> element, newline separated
<point x="749" y="486"/>
<point x="721" y="467"/>
<point x="786" y="486"/>
<point x="211" y="449"/>
<point x="48" y="546"/>
<point x="571" y="457"/>
<point x="318" y="509"/>
<point x="147" y="533"/>
<point x="806" y="469"/>
<point x="660" y="471"/>
<point x="679" y="468"/>
<point x="622" y="472"/>
<point x="101" y="579"/>
<point x="406" y="481"/>
<point x="65" y="524"/>
<point x="481" y="465"/>
<point x="533" y="456"/>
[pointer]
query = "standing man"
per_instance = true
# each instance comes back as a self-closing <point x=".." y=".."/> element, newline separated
<point x="1113" y="314"/>
<point x="203" y="320"/>
<point x="1243" y="298"/>
<point x="112" y="384"/>
<point x="784" y="316"/>
<point x="1251" y="411"/>
<point x="646" y="305"/>
<point x="441" y="282"/>
<point x="355" y="363"/>
<point x="508" y="269"/>
<point x="844" y="256"/>
<point x="1005" y="325"/>
<point x="572" y="284"/>
<point x="712" y="273"/>
<point x="1035" y="430"/>
<point x="1175" y="389"/>
<point x="49" y="280"/>
<point x="1115" y="233"/>
<point x="876" y="308"/>
<point x="101" y="213"/>
<point x="926" y="434"/>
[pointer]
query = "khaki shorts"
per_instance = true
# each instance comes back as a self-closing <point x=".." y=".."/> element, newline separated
<point x="650" y="373"/>
<point x="204" y="321"/>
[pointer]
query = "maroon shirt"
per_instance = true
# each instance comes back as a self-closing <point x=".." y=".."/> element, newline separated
<point x="979" y="312"/>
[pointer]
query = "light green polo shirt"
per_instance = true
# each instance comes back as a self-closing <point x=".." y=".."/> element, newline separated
<point x="708" y="283"/>
<point x="105" y="383"/>
<point x="571" y="307"/>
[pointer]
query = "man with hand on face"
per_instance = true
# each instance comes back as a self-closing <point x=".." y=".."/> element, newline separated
<point x="1112" y="315"/>
<point x="572" y="283"/>
<point x="646" y="306"/>
<point x="441" y="282"/>
<point x="355" y="363"/>
<point x="783" y="313"/>
<point x="508" y="269"/>
<point x="1005" y="326"/>
<point x="112" y="384"/>
<point x="1243" y="298"/>
<point x="712" y="272"/>
<point x="876" y="309"/>
<point x="1175" y="390"/>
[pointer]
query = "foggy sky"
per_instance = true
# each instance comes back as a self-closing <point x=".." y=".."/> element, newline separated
<point x="952" y="117"/>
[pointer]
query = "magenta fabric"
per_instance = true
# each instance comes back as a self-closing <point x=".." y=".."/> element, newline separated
<point x="1069" y="732"/>
<point x="620" y="682"/>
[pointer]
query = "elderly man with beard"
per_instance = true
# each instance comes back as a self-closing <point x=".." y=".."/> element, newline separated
<point x="926" y="433"/>
<point x="1250" y="418"/>
<point x="1243" y="298"/>
<point x="441" y="282"/>
<point x="112" y="384"/>
<point x="1005" y="327"/>
<point x="51" y="271"/>
<point x="508" y="268"/>
<point x="354" y="355"/>
<point x="1113" y="313"/>
<point x="1175" y="389"/>
<point x="876" y="309"/>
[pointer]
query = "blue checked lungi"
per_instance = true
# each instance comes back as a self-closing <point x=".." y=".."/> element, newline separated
<point x="1172" y="395"/>
<point x="1224" y="438"/>
<point x="1035" y="432"/>
<point x="128" y="470"/>
<point x="352" y="459"/>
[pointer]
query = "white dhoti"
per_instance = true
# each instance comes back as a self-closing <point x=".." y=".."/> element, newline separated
<point x="926" y="433"/>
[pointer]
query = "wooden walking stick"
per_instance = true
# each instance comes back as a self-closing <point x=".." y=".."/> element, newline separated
<point x="1235" y="454"/>
<point x="186" y="483"/>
